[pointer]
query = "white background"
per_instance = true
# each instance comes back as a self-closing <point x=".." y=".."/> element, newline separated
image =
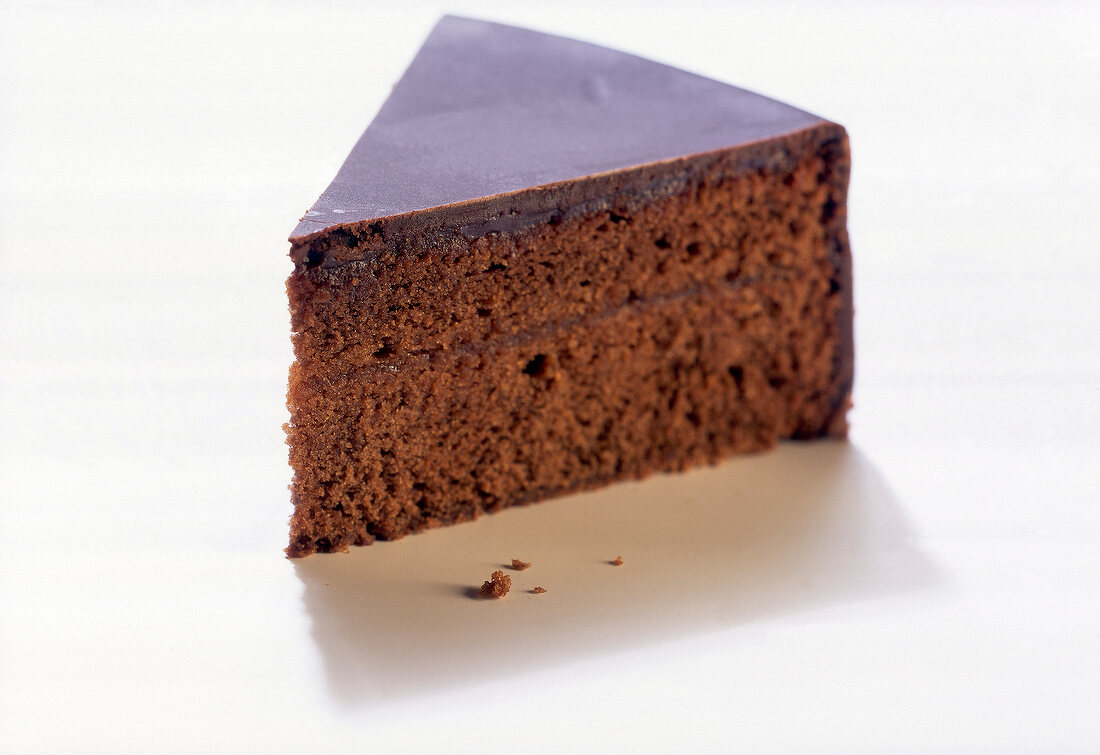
<point x="930" y="586"/>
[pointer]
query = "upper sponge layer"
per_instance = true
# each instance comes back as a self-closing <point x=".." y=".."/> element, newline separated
<point x="486" y="109"/>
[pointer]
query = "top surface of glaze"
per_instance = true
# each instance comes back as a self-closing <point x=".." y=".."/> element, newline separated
<point x="486" y="109"/>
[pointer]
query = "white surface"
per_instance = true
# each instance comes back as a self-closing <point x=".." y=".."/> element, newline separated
<point x="930" y="586"/>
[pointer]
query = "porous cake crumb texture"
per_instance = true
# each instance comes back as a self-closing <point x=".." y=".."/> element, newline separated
<point x="439" y="380"/>
<point x="497" y="586"/>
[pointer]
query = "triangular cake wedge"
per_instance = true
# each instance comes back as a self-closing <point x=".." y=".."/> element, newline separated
<point x="547" y="266"/>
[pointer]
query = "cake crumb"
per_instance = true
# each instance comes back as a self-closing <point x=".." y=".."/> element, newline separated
<point x="538" y="590"/>
<point x="617" y="562"/>
<point x="497" y="586"/>
<point x="520" y="565"/>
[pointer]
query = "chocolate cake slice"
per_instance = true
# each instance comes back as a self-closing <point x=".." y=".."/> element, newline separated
<point x="546" y="266"/>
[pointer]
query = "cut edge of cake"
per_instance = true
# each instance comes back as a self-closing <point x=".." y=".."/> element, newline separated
<point x="359" y="340"/>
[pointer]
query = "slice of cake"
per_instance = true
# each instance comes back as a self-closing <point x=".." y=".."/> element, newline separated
<point x="546" y="266"/>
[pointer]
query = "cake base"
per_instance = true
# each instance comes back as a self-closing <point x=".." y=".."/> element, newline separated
<point x="436" y="381"/>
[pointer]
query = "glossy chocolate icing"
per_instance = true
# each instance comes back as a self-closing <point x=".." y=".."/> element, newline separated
<point x="492" y="122"/>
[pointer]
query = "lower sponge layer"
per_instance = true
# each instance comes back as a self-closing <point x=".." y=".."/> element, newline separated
<point x="660" y="385"/>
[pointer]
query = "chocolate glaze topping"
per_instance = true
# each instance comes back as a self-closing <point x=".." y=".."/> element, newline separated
<point x="491" y="123"/>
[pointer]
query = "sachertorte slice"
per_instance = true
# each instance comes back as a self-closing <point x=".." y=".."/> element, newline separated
<point x="546" y="266"/>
